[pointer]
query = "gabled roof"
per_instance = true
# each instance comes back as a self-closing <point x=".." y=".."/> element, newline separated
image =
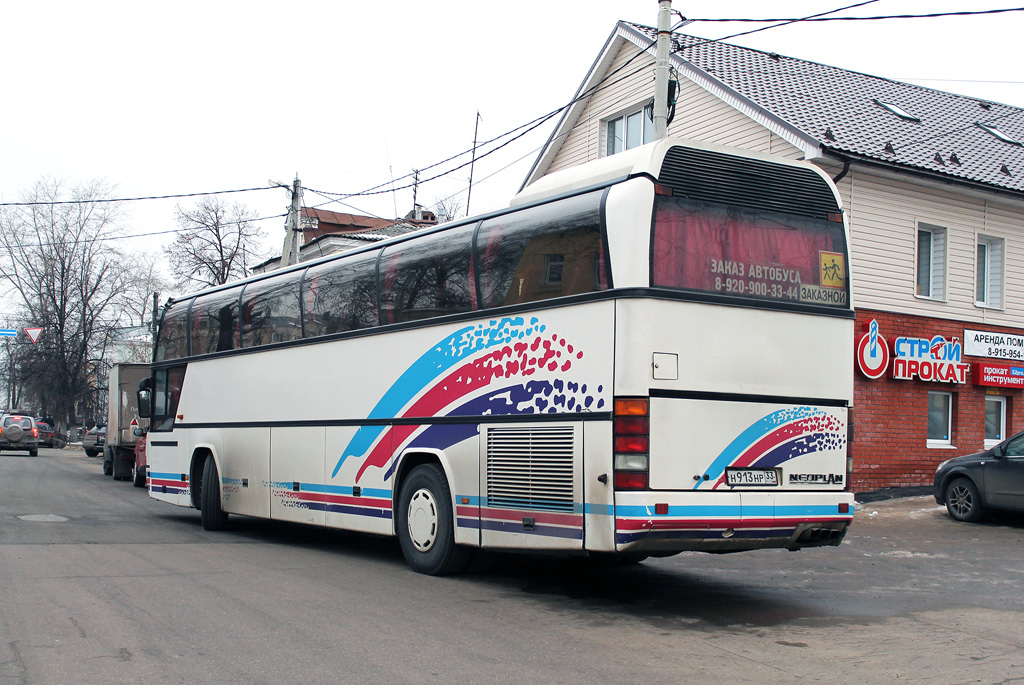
<point x="823" y="109"/>
<point x="353" y="222"/>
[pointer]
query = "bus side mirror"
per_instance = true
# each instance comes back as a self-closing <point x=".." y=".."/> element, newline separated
<point x="138" y="432"/>
<point x="144" y="402"/>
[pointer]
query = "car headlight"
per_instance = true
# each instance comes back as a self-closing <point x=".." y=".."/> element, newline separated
<point x="939" y="467"/>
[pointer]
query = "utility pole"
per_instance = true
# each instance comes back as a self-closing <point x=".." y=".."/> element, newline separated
<point x="293" y="226"/>
<point x="661" y="68"/>
<point x="415" y="191"/>
<point x="156" y="315"/>
<point x="472" y="162"/>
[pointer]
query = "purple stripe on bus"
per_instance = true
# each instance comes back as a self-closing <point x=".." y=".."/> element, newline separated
<point x="547" y="531"/>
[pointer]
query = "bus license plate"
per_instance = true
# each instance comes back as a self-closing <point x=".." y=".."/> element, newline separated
<point x="751" y="477"/>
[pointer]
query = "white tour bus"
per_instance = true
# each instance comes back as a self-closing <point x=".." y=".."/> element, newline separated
<point x="646" y="354"/>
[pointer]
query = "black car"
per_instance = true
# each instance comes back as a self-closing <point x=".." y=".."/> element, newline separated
<point x="993" y="479"/>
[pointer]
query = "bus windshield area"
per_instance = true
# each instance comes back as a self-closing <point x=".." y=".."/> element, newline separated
<point x="745" y="253"/>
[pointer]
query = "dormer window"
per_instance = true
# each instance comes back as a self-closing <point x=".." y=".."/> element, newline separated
<point x="897" y="110"/>
<point x="999" y="134"/>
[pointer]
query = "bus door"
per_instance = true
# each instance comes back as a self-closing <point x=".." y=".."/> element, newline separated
<point x="531" y="485"/>
<point x="167" y="449"/>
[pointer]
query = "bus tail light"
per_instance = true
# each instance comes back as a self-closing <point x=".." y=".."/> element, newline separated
<point x="632" y="438"/>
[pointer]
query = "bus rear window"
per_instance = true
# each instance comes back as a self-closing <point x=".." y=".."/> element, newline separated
<point x="750" y="254"/>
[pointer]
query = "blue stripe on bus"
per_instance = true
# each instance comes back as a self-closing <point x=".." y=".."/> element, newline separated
<point x="331" y="489"/>
<point x="166" y="476"/>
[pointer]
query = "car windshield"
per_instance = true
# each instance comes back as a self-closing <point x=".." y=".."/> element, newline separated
<point x="18" y="421"/>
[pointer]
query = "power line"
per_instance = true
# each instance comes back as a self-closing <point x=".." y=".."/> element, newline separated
<point x="130" y="199"/>
<point x="957" y="80"/>
<point x="535" y="123"/>
<point x="785" y="22"/>
<point x="876" y="18"/>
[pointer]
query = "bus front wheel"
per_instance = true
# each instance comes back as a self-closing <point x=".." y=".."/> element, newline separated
<point x="426" y="529"/>
<point x="211" y="513"/>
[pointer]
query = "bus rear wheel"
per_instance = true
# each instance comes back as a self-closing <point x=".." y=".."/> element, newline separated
<point x="426" y="530"/>
<point x="211" y="513"/>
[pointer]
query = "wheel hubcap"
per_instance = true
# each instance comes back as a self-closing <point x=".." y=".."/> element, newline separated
<point x="960" y="500"/>
<point x="422" y="520"/>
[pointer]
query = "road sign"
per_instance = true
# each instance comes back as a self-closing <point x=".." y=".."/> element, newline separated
<point x="8" y="333"/>
<point x="33" y="334"/>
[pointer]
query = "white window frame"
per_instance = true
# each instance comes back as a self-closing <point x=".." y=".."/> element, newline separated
<point x="988" y="272"/>
<point x="936" y="262"/>
<point x="946" y="442"/>
<point x="1002" y="419"/>
<point x="646" y="129"/>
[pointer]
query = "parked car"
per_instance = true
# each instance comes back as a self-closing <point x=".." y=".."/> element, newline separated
<point x="19" y="432"/>
<point x="46" y="436"/>
<point x="994" y="479"/>
<point x="94" y="440"/>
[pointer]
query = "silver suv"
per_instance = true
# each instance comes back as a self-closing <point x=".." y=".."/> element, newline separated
<point x="19" y="432"/>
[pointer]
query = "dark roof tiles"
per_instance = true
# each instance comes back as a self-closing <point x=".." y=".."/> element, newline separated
<point x="838" y="108"/>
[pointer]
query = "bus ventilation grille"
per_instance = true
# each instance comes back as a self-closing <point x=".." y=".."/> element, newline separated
<point x="530" y="467"/>
<point x="710" y="177"/>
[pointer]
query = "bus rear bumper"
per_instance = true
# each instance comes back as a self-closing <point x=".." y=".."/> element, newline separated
<point x="730" y="522"/>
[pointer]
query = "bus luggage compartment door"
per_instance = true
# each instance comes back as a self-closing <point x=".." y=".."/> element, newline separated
<point x="531" y="482"/>
<point x="707" y="445"/>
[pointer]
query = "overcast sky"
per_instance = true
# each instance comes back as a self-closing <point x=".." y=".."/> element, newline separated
<point x="186" y="97"/>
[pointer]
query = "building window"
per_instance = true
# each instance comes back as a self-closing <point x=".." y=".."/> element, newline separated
<point x="629" y="131"/>
<point x="995" y="420"/>
<point x="988" y="281"/>
<point x="940" y="415"/>
<point x="931" y="262"/>
<point x="553" y="266"/>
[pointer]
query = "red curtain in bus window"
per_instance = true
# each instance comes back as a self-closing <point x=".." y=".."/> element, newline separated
<point x="696" y="248"/>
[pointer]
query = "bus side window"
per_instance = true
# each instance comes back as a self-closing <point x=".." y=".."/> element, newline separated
<point x="173" y="340"/>
<point x="270" y="311"/>
<point x="341" y="295"/>
<point x="215" y="322"/>
<point x="427" y="276"/>
<point x="542" y="252"/>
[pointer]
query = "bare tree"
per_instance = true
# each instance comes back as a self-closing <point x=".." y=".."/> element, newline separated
<point x="66" y="279"/>
<point x="145" y="280"/>
<point x="448" y="209"/>
<point x="218" y="243"/>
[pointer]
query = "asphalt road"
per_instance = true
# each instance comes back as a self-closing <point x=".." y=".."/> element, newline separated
<point x="129" y="590"/>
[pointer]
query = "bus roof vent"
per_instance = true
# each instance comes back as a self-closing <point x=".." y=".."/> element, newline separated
<point x="758" y="184"/>
<point x="530" y="467"/>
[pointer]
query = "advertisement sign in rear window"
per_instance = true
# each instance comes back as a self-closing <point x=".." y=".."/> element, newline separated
<point x="749" y="254"/>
